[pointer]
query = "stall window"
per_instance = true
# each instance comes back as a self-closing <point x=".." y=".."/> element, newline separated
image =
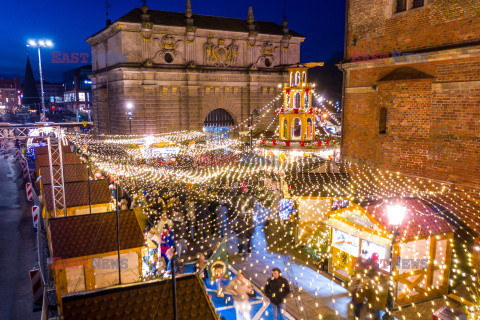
<point x="307" y="100"/>
<point x="369" y="248"/>
<point x="291" y="79"/>
<point x="309" y="128"/>
<point x="285" y="128"/>
<point x="297" y="128"/>
<point x="297" y="78"/>
<point x="296" y="100"/>
<point x="345" y="242"/>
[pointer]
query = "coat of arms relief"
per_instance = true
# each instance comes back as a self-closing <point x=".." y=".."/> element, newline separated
<point x="170" y="50"/>
<point x="220" y="54"/>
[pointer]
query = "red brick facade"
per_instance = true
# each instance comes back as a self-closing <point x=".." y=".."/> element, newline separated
<point x="423" y="66"/>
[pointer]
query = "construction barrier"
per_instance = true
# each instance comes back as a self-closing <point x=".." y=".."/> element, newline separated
<point x="29" y="188"/>
<point x="37" y="285"/>
<point x="35" y="214"/>
<point x="17" y="154"/>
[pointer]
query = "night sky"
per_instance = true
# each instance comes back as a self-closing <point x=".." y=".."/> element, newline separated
<point x="69" y="23"/>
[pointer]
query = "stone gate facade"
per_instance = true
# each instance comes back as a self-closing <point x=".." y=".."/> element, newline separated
<point x="175" y="68"/>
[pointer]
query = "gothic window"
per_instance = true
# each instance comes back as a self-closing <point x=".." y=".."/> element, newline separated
<point x="285" y="127"/>
<point x="291" y="79"/>
<point x="297" y="129"/>
<point x="296" y="100"/>
<point x="401" y="6"/>
<point x="307" y="100"/>
<point x="304" y="77"/>
<point x="418" y="3"/>
<point x="309" y="128"/>
<point x="382" y="121"/>
<point x="297" y="78"/>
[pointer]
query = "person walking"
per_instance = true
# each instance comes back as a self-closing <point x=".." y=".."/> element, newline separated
<point x="240" y="288"/>
<point x="358" y="293"/>
<point x="221" y="215"/>
<point x="277" y="289"/>
<point x="167" y="241"/>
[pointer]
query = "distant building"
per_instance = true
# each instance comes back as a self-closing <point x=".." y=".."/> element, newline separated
<point x="10" y="93"/>
<point x="30" y="95"/>
<point x="53" y="93"/>
<point x="185" y="71"/>
<point x="77" y="89"/>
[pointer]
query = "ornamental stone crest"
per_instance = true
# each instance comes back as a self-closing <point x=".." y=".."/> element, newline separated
<point x="267" y="55"/>
<point x="220" y="54"/>
<point x="170" y="50"/>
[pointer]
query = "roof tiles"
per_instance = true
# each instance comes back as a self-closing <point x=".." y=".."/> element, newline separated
<point x="81" y="193"/>
<point x="147" y="300"/>
<point x="91" y="234"/>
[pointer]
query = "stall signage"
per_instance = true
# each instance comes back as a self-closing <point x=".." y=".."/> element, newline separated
<point x="355" y="218"/>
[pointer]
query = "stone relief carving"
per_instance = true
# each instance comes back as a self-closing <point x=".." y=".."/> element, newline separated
<point x="170" y="50"/>
<point x="220" y="54"/>
<point x="266" y="53"/>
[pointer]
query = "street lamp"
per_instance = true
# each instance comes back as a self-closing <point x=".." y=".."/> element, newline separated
<point x="129" y="114"/>
<point x="396" y="214"/>
<point x="253" y="115"/>
<point x="38" y="44"/>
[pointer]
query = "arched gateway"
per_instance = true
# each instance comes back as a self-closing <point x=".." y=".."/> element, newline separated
<point x="219" y="121"/>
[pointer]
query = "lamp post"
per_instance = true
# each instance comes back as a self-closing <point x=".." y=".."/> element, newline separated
<point x="38" y="44"/>
<point x="129" y="114"/>
<point x="396" y="214"/>
<point x="253" y="115"/>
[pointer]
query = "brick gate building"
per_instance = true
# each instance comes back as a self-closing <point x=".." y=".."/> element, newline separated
<point x="176" y="68"/>
<point x="412" y="87"/>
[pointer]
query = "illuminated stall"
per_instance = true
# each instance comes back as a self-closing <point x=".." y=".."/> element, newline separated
<point x="421" y="253"/>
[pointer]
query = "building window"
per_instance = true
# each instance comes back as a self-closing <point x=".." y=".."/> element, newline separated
<point x="418" y="3"/>
<point x="401" y="6"/>
<point x="307" y="100"/>
<point x="291" y="79"/>
<point x="382" y="121"/>
<point x="304" y="77"/>
<point x="285" y="127"/>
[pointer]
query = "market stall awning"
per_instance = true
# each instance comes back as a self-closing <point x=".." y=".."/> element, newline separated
<point x="370" y="237"/>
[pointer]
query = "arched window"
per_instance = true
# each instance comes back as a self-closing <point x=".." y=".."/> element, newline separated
<point x="291" y="79"/>
<point x="382" y="121"/>
<point x="307" y="100"/>
<point x="296" y="100"/>
<point x="297" y="78"/>
<point x="304" y="77"/>
<point x="310" y="128"/>
<point x="297" y="128"/>
<point x="285" y="129"/>
<point x="287" y="100"/>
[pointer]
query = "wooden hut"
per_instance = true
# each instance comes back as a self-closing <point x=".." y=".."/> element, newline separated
<point x="421" y="254"/>
<point x="84" y="251"/>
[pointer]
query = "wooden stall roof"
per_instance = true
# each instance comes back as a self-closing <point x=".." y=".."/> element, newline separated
<point x="145" y="300"/>
<point x="71" y="173"/>
<point x="420" y="219"/>
<point x="77" y="193"/>
<point x="44" y="150"/>
<point x="318" y="184"/>
<point x="91" y="234"/>
<point x="68" y="158"/>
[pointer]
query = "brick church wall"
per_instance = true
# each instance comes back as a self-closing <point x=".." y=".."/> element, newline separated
<point x="433" y="122"/>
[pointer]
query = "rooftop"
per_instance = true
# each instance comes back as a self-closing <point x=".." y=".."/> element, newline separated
<point x="92" y="234"/>
<point x="81" y="193"/>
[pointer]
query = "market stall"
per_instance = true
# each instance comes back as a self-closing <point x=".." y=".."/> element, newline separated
<point x="422" y="247"/>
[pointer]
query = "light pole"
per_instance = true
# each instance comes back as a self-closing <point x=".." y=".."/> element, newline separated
<point x="38" y="44"/>
<point x="395" y="213"/>
<point x="129" y="114"/>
